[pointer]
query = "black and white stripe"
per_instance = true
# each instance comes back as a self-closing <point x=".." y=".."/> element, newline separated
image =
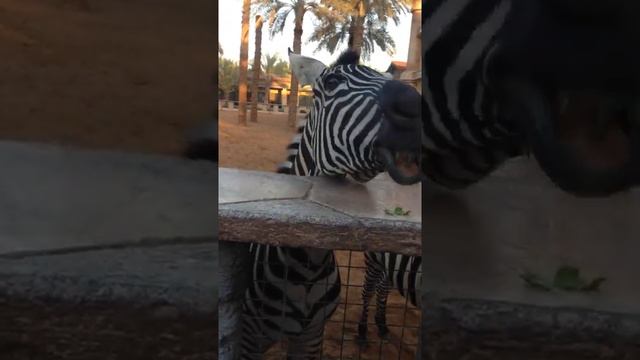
<point x="386" y="271"/>
<point x="293" y="292"/>
<point x="336" y="138"/>
<point x="465" y="137"/>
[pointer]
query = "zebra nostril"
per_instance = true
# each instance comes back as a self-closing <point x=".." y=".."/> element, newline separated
<point x="402" y="103"/>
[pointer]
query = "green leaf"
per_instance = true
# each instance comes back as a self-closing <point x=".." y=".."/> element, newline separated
<point x="397" y="211"/>
<point x="568" y="278"/>
<point x="534" y="281"/>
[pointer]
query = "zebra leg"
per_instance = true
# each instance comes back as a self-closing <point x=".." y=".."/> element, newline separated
<point x="308" y="345"/>
<point x="254" y="341"/>
<point x="382" y="293"/>
<point x="371" y="278"/>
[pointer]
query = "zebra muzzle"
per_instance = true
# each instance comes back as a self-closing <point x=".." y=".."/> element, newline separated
<point x="402" y="166"/>
<point x="587" y="142"/>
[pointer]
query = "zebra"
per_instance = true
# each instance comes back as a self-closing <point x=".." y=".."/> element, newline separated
<point x="384" y="271"/>
<point x="507" y="78"/>
<point x="362" y="123"/>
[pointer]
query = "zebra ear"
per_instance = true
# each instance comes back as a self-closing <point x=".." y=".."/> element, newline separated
<point x="306" y="69"/>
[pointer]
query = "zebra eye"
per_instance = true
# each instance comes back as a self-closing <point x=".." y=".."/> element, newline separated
<point x="332" y="82"/>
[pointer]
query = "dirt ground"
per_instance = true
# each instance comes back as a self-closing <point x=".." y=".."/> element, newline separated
<point x="262" y="146"/>
<point x="129" y="75"/>
<point x="258" y="146"/>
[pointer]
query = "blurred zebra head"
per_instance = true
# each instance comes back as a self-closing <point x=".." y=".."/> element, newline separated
<point x="362" y="122"/>
<point x="566" y="73"/>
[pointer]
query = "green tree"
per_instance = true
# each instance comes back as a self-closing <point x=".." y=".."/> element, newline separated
<point x="274" y="65"/>
<point x="228" y="72"/>
<point x="281" y="68"/>
<point x="278" y="12"/>
<point x="361" y="23"/>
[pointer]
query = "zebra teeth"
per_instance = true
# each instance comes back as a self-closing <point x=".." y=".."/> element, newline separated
<point x="401" y="166"/>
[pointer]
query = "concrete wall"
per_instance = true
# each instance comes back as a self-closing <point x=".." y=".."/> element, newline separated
<point x="478" y="242"/>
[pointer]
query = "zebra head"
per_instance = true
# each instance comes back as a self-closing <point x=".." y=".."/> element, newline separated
<point x="362" y="122"/>
<point x="566" y="73"/>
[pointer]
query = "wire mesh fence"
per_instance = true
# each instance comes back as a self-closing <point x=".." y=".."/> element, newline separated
<point x="340" y="339"/>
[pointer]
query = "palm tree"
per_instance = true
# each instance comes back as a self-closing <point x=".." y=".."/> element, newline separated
<point x="281" y="68"/>
<point x="362" y="23"/>
<point x="269" y="63"/>
<point x="244" y="61"/>
<point x="256" y="70"/>
<point x="274" y="65"/>
<point x="278" y="12"/>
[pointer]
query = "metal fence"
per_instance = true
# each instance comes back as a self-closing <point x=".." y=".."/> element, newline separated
<point x="341" y="340"/>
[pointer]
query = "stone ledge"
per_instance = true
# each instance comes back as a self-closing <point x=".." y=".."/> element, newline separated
<point x="54" y="197"/>
<point x="495" y="327"/>
<point x="481" y="240"/>
<point x="182" y="276"/>
<point x="318" y="212"/>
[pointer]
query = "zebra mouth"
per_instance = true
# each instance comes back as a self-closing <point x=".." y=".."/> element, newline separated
<point x="587" y="142"/>
<point x="402" y="166"/>
<point x="604" y="140"/>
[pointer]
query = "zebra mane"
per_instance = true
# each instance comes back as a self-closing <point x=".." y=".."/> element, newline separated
<point x="348" y="57"/>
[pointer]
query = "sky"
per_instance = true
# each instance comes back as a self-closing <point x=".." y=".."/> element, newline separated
<point x="230" y="24"/>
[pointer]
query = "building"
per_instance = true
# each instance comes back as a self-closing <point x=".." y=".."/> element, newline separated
<point x="273" y="90"/>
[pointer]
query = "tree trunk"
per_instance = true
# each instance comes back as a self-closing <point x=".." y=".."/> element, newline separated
<point x="357" y="30"/>
<point x="292" y="100"/>
<point x="256" y="70"/>
<point x="244" y="60"/>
